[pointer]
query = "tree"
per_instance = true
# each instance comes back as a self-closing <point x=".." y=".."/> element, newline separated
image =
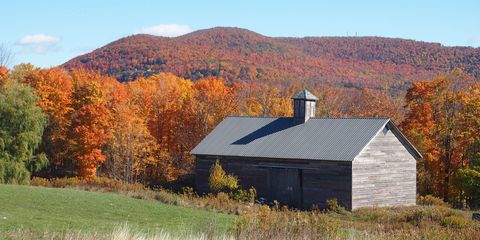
<point x="131" y="150"/>
<point x="261" y="99"/>
<point x="213" y="102"/>
<point x="3" y="75"/>
<point x="54" y="87"/>
<point x="373" y="103"/>
<point x="22" y="70"/>
<point x="91" y="123"/>
<point x="22" y="124"/>
<point x="419" y="126"/>
<point x="468" y="181"/>
<point x="166" y="102"/>
<point x="6" y="56"/>
<point x="437" y="124"/>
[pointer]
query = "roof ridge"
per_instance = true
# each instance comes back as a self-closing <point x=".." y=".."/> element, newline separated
<point x="378" y="118"/>
<point x="350" y="118"/>
<point x="232" y="116"/>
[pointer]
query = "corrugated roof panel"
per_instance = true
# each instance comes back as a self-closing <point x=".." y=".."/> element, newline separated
<point x="319" y="138"/>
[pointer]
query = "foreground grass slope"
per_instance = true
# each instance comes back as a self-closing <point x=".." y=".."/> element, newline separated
<point x="40" y="209"/>
<point x="64" y="213"/>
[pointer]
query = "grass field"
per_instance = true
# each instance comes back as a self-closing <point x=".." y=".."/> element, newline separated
<point x="38" y="209"/>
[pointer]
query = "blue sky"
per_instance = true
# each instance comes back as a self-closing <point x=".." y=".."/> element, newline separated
<point x="48" y="33"/>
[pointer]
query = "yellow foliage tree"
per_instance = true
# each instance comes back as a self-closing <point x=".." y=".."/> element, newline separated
<point x="219" y="180"/>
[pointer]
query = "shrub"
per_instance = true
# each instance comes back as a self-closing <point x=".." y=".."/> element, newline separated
<point x="101" y="183"/>
<point x="429" y="200"/>
<point x="43" y="182"/>
<point x="230" y="182"/>
<point x="220" y="181"/>
<point x="334" y="206"/>
<point x="244" y="195"/>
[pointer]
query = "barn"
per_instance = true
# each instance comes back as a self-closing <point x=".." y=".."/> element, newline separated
<point x="302" y="161"/>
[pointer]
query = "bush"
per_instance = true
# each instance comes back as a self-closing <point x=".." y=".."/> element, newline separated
<point x="429" y="200"/>
<point x="43" y="182"/>
<point x="221" y="181"/>
<point x="334" y="206"/>
<point x="101" y="183"/>
<point x="244" y="195"/>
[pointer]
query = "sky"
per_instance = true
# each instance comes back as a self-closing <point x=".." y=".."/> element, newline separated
<point x="50" y="32"/>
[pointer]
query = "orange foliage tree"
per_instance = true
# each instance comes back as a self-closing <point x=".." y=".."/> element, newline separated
<point x="165" y="101"/>
<point x="91" y="123"/>
<point x="436" y="124"/>
<point x="214" y="100"/>
<point x="262" y="99"/>
<point x="131" y="150"/>
<point x="54" y="87"/>
<point x="3" y="75"/>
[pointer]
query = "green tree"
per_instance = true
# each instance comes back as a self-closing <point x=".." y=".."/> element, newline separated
<point x="468" y="181"/>
<point x="21" y="127"/>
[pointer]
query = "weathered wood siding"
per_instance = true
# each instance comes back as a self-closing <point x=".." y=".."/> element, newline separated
<point x="383" y="174"/>
<point x="320" y="180"/>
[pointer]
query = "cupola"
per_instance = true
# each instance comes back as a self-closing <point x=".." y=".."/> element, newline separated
<point x="304" y="106"/>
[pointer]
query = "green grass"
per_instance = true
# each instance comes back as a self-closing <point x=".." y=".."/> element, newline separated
<point x="40" y="209"/>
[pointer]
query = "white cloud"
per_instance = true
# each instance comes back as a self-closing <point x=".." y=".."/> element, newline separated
<point x="38" y="43"/>
<point x="166" y="30"/>
<point x="39" y="49"/>
<point x="37" y="39"/>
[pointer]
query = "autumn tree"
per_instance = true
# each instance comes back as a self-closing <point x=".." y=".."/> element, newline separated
<point x="91" y="123"/>
<point x="467" y="178"/>
<point x="262" y="99"/>
<point x="20" y="71"/>
<point x="165" y="101"/>
<point x="54" y="87"/>
<point x="3" y="75"/>
<point x="214" y="100"/>
<point x="131" y="150"/>
<point x="434" y="122"/>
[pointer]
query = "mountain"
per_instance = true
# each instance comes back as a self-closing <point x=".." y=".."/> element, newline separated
<point x="239" y="54"/>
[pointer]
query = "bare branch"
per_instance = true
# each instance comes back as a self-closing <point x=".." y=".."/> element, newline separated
<point x="6" y="56"/>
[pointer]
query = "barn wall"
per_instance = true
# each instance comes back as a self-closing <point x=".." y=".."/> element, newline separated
<point x="321" y="180"/>
<point x="384" y="174"/>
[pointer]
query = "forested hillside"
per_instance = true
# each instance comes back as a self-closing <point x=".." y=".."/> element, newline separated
<point x="238" y="54"/>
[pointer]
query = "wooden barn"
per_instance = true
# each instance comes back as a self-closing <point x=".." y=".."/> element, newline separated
<point x="302" y="161"/>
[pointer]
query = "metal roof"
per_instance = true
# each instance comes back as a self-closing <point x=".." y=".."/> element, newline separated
<point x="339" y="139"/>
<point x="305" y="94"/>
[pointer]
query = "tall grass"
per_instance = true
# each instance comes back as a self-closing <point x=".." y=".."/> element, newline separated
<point x="123" y="232"/>
<point x="416" y="222"/>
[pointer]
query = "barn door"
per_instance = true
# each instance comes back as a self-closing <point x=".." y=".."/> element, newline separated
<point x="285" y="186"/>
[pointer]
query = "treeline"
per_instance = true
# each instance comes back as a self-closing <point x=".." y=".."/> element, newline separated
<point x="55" y="123"/>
